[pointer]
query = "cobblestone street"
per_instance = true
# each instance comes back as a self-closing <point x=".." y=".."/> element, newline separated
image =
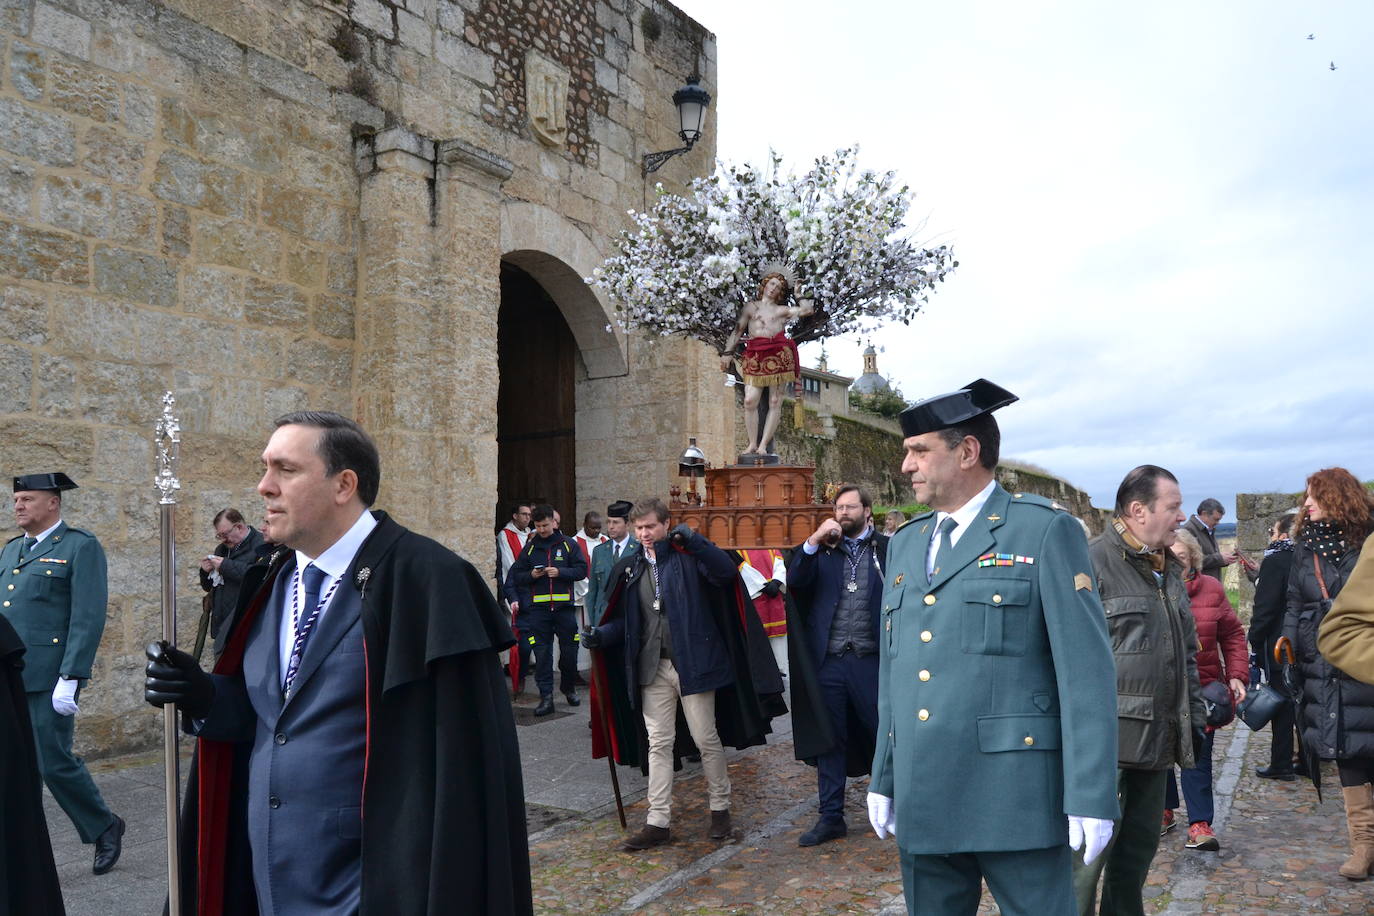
<point x="1279" y="854"/>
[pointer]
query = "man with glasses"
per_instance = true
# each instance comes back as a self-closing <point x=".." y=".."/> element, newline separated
<point x="221" y="573"/>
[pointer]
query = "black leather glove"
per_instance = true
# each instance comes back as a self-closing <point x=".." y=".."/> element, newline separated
<point x="1199" y="738"/>
<point x="591" y="638"/>
<point x="681" y="535"/>
<point x="772" y="587"/>
<point x="174" y="677"/>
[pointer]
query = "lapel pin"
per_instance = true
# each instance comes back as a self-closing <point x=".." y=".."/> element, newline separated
<point x="363" y="575"/>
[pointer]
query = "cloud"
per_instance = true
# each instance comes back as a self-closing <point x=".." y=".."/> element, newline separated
<point x="1162" y="215"/>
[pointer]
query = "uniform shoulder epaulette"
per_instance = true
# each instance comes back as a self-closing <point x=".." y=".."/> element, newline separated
<point x="81" y="531"/>
<point x="914" y="518"/>
<point x="1034" y="499"/>
<point x="15" y="538"/>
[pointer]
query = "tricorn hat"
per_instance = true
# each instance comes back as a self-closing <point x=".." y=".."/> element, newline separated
<point x="946" y="410"/>
<point x="619" y="509"/>
<point x="54" y="481"/>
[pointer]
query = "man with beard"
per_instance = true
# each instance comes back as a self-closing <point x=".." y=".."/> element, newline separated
<point x="996" y="707"/>
<point x="836" y="579"/>
<point x="366" y="650"/>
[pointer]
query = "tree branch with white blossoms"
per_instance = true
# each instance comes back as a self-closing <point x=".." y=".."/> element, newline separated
<point x="691" y="263"/>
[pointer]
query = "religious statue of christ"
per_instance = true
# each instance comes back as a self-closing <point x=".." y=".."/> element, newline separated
<point x="770" y="359"/>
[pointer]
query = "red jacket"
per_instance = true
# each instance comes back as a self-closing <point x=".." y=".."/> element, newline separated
<point x="1219" y="633"/>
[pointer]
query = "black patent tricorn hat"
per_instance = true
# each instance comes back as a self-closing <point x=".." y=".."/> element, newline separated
<point x="945" y="410"/>
<point x="54" y="481"/>
<point x="619" y="509"/>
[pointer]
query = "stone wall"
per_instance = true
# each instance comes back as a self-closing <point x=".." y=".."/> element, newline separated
<point x="1255" y="513"/>
<point x="265" y="205"/>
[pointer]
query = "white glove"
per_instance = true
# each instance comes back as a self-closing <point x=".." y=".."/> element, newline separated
<point x="1092" y="834"/>
<point x="64" y="697"/>
<point x="882" y="814"/>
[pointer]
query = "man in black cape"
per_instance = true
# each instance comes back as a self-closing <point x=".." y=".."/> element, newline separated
<point x="28" y="877"/>
<point x="393" y="697"/>
<point x="835" y="578"/>
<point x="680" y="629"/>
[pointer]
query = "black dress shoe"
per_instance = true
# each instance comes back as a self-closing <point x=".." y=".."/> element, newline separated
<point x="823" y="831"/>
<point x="108" y="845"/>
<point x="572" y="698"/>
<point x="545" y="706"/>
<point x="1275" y="773"/>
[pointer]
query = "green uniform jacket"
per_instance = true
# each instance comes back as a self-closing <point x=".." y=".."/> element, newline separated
<point x="996" y="687"/>
<point x="598" y="580"/>
<point x="56" y="598"/>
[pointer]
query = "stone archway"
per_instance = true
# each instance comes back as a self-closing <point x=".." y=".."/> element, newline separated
<point x="575" y="380"/>
<point x="556" y="253"/>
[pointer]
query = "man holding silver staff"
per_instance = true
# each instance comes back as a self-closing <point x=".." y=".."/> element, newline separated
<point x="361" y="649"/>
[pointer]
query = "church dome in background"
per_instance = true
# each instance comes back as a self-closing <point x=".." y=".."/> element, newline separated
<point x="870" y="382"/>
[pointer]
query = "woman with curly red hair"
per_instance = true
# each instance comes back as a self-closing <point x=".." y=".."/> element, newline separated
<point x="1335" y="712"/>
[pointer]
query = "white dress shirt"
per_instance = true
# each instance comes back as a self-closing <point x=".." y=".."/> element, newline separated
<point x="39" y="538"/>
<point x="333" y="562"/>
<point x="963" y="517"/>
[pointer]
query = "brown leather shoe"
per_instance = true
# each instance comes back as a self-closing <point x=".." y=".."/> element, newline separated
<point x="720" y="825"/>
<point x="647" y="838"/>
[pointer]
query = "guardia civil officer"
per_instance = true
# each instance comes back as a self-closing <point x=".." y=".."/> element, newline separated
<point x="618" y="543"/>
<point x="53" y="582"/>
<point x="996" y="691"/>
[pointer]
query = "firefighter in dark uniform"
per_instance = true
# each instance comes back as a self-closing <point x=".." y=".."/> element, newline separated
<point x="52" y="579"/>
<point x="541" y="579"/>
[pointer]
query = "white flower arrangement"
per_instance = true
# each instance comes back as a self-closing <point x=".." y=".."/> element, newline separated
<point x="689" y="264"/>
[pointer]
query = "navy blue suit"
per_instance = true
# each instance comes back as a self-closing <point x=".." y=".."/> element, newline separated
<point x="846" y="684"/>
<point x="304" y="805"/>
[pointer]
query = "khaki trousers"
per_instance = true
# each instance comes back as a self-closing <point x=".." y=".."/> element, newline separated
<point x="660" y="698"/>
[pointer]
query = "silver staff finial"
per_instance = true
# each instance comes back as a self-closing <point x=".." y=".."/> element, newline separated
<point x="167" y="435"/>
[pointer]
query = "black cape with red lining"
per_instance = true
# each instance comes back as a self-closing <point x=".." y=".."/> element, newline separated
<point x="28" y="877"/>
<point x="743" y="708"/>
<point x="443" y="801"/>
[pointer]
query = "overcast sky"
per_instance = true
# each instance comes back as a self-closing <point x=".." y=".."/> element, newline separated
<point x="1163" y="214"/>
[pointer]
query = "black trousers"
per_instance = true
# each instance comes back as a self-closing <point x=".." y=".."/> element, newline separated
<point x="543" y="623"/>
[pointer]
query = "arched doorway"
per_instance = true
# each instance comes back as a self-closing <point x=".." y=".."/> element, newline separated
<point x="536" y="399"/>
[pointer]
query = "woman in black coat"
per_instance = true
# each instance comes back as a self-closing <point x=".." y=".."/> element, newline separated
<point x="1336" y="712"/>
<point x="1266" y="626"/>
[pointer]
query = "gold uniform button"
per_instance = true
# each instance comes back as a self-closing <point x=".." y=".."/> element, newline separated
<point x="926" y="635"/>
<point x="924" y="675"/>
<point x="1029" y="741"/>
<point x="930" y="599"/>
<point x="923" y="715"/>
<point x="7" y="604"/>
<point x="11" y="586"/>
<point x="996" y="599"/>
<point x="54" y="639"/>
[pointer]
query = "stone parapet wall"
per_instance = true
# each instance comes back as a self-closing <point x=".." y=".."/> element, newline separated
<point x="1255" y="513"/>
<point x="267" y="205"/>
<point x="864" y="452"/>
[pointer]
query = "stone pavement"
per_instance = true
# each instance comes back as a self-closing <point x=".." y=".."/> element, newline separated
<point x="1280" y="848"/>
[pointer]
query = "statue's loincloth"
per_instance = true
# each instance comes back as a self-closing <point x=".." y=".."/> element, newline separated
<point x="770" y="361"/>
